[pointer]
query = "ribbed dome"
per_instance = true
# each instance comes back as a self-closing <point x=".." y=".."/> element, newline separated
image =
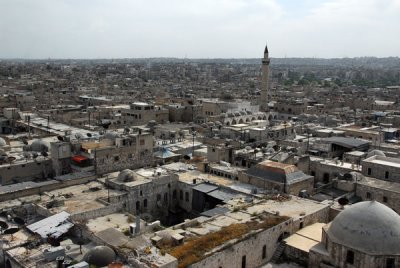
<point x="100" y="256"/>
<point x="369" y="227"/>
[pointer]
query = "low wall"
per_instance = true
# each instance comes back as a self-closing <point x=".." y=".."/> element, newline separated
<point x="87" y="215"/>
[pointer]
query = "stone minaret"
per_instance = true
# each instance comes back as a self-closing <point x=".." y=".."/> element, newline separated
<point x="264" y="85"/>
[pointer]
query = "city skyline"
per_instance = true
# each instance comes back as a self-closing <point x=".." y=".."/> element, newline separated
<point x="199" y="29"/>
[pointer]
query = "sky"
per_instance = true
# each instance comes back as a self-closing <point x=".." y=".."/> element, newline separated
<point x="198" y="28"/>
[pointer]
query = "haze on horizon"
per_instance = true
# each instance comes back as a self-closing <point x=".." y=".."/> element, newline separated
<point x="198" y="28"/>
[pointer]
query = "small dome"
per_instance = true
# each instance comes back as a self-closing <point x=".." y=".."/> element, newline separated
<point x="100" y="256"/>
<point x="126" y="175"/>
<point x="353" y="176"/>
<point x="2" y="142"/>
<point x="40" y="146"/>
<point x="375" y="152"/>
<point x="369" y="227"/>
<point x="111" y="135"/>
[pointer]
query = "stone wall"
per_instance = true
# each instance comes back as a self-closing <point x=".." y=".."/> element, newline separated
<point x="384" y="172"/>
<point x="86" y="215"/>
<point x="387" y="197"/>
<point x="25" y="171"/>
<point x="40" y="188"/>
<point x="251" y="246"/>
<point x="119" y="158"/>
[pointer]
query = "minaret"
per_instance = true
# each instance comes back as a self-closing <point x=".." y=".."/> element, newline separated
<point x="264" y="85"/>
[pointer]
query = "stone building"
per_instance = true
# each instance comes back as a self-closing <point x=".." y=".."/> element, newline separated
<point x="382" y="167"/>
<point x="141" y="113"/>
<point x="124" y="152"/>
<point x="365" y="235"/>
<point x="282" y="177"/>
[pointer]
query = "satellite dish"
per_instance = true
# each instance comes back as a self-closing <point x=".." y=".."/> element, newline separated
<point x="78" y="136"/>
<point x="60" y="138"/>
<point x="10" y="159"/>
<point x="89" y="135"/>
<point x="343" y="201"/>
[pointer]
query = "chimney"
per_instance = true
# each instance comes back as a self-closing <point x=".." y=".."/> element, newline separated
<point x="137" y="228"/>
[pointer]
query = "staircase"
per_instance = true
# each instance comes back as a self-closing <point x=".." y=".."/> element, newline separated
<point x="278" y="252"/>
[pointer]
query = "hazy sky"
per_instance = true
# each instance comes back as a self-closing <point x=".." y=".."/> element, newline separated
<point x="198" y="28"/>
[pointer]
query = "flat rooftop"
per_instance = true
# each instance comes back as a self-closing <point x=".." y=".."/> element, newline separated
<point x="382" y="160"/>
<point x="380" y="184"/>
<point x="304" y="239"/>
<point x="294" y="208"/>
<point x="78" y="198"/>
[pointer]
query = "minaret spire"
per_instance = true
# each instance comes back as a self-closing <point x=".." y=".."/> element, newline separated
<point x="264" y="84"/>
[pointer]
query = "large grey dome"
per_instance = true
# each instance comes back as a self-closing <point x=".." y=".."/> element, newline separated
<point x="369" y="227"/>
<point x="100" y="256"/>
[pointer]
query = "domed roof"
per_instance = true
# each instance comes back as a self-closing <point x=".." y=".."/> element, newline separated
<point x="111" y="135"/>
<point x="354" y="176"/>
<point x="375" y="152"/>
<point x="2" y="142"/>
<point x="100" y="256"/>
<point x="126" y="175"/>
<point x="40" y="146"/>
<point x="369" y="226"/>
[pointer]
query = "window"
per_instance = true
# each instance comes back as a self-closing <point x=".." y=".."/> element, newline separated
<point x="145" y="203"/>
<point x="244" y="261"/>
<point x="390" y="263"/>
<point x="350" y="257"/>
<point x="137" y="205"/>
<point x="174" y="194"/>
<point x="187" y="196"/>
<point x="141" y="192"/>
<point x="369" y="195"/>
<point x="369" y="172"/>
<point x="386" y="174"/>
<point x="181" y="195"/>
<point x="116" y="158"/>
<point x="385" y="199"/>
<point x="158" y="197"/>
<point x="264" y="252"/>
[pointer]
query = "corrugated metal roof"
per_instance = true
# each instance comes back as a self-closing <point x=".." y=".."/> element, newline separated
<point x="53" y="226"/>
<point x="215" y="211"/>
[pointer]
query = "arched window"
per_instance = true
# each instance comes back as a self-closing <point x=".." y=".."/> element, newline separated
<point x="174" y="194"/>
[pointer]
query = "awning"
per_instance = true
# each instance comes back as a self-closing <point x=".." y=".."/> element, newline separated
<point x="79" y="159"/>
